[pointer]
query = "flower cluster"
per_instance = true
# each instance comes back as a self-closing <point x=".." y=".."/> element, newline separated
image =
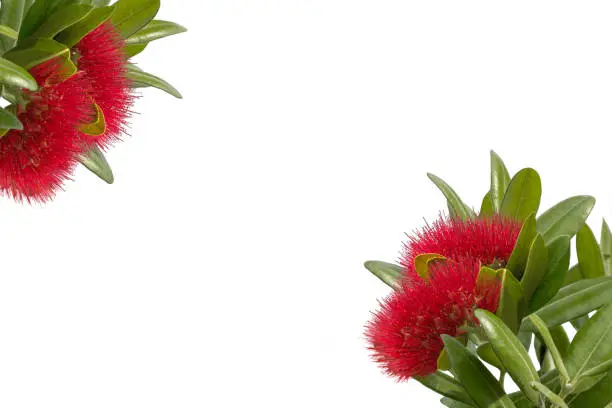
<point x="35" y="161"/>
<point x="405" y="334"/>
<point x="68" y="88"/>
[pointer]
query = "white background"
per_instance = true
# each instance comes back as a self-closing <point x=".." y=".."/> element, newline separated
<point x="224" y="267"/>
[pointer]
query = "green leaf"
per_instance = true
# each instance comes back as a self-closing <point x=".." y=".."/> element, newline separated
<point x="444" y="385"/>
<point x="546" y="392"/>
<point x="510" y="352"/>
<point x="450" y="403"/>
<point x="11" y="14"/>
<point x="461" y="209"/>
<point x="599" y="369"/>
<point x="132" y="15"/>
<point x="565" y="218"/>
<point x="586" y="382"/>
<point x="511" y="300"/>
<point x="100" y="3"/>
<point x="61" y="19"/>
<point x="155" y="30"/>
<point x="575" y="300"/>
<point x="486" y="208"/>
<point x="142" y="79"/>
<point x="388" y="273"/>
<point x="598" y="396"/>
<point x="520" y="253"/>
<point x="133" y="50"/>
<point x="75" y="33"/>
<point x="9" y="121"/>
<point x="13" y="75"/>
<point x="550" y="379"/>
<point x="36" y="51"/>
<point x="523" y="195"/>
<point x="606" y="247"/>
<point x="34" y="18"/>
<point x="486" y="353"/>
<point x="558" y="264"/>
<point x="589" y="253"/>
<point x="591" y="346"/>
<point x="479" y="383"/>
<point x="95" y="161"/>
<point x="537" y="265"/>
<point x="500" y="179"/>
<point x="547" y="338"/>
<point x="573" y="275"/>
<point x="8" y="32"/>
<point x="421" y="264"/>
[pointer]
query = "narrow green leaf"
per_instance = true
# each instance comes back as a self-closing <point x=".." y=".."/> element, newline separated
<point x="550" y="379"/>
<point x="155" y="30"/>
<point x="500" y="179"/>
<point x="580" y="321"/>
<point x="142" y="79"/>
<point x="390" y="274"/>
<point x="599" y="396"/>
<point x="558" y="264"/>
<point x="34" y="17"/>
<point x="547" y="338"/>
<point x="34" y="52"/>
<point x="606" y="247"/>
<point x="61" y="19"/>
<point x="95" y="161"/>
<point x="537" y="265"/>
<point x="599" y="369"/>
<point x="561" y="339"/>
<point x="461" y="209"/>
<point x="76" y="32"/>
<point x="546" y="392"/>
<point x="479" y="383"/>
<point x="133" y="50"/>
<point x="523" y="195"/>
<point x="8" y="32"/>
<point x="589" y="253"/>
<point x="132" y="15"/>
<point x="13" y="75"/>
<point x="573" y="275"/>
<point x="11" y="14"/>
<point x="486" y="208"/>
<point x="565" y="218"/>
<point x="444" y="385"/>
<point x="518" y="259"/>
<point x="451" y="403"/>
<point x="9" y="121"/>
<point x="510" y="352"/>
<point x="511" y="300"/>
<point x="575" y="300"/>
<point x="486" y="353"/>
<point x="586" y="382"/>
<point x="592" y="345"/>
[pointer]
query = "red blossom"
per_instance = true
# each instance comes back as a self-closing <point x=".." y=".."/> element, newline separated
<point x="35" y="161"/>
<point x="489" y="241"/>
<point x="101" y="56"/>
<point x="404" y="335"/>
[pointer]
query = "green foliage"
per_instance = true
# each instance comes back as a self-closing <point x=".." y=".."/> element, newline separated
<point x="95" y="162"/>
<point x="390" y="274"/>
<point x="142" y="79"/>
<point x="539" y="293"/>
<point x="132" y="15"/>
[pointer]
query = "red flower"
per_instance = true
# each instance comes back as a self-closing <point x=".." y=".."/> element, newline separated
<point x="35" y="161"/>
<point x="489" y="241"/>
<point x="101" y="56"/>
<point x="404" y="334"/>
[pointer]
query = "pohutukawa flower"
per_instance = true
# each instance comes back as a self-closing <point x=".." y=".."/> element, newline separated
<point x="101" y="56"/>
<point x="35" y="161"/>
<point x="489" y="241"/>
<point x="404" y="335"/>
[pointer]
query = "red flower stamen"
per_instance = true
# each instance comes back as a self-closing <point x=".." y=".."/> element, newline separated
<point x="101" y="56"/>
<point x="404" y="334"/>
